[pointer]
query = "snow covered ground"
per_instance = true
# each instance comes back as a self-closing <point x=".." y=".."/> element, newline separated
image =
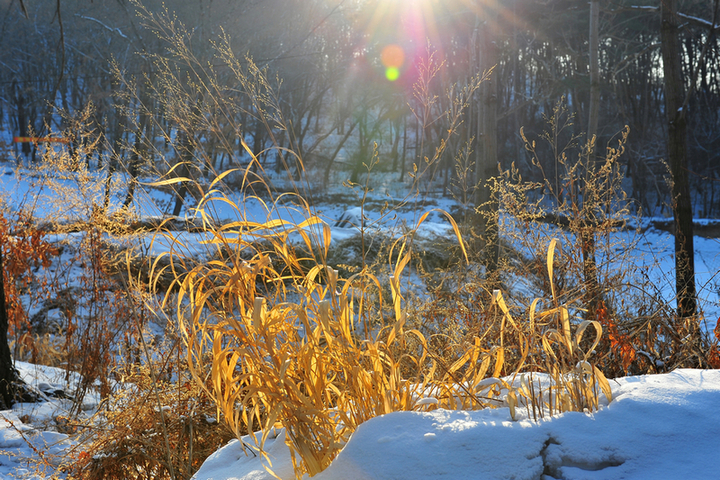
<point x="663" y="426"/>
<point x="31" y="447"/>
<point x="657" y="427"/>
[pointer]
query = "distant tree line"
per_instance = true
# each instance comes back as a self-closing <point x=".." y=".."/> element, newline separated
<point x="324" y="61"/>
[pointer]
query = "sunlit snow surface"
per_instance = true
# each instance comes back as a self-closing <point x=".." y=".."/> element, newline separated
<point x="658" y="427"/>
<point x="663" y="426"/>
<point x="30" y="428"/>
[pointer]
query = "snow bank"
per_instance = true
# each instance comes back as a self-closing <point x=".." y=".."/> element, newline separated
<point x="659" y="426"/>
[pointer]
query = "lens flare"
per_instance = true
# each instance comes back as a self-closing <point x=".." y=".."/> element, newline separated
<point x="392" y="56"/>
<point x="392" y="74"/>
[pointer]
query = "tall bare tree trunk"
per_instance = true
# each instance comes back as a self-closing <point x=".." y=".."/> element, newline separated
<point x="677" y="159"/>
<point x="594" y="44"/>
<point x="487" y="159"/>
<point x="592" y="294"/>
<point x="138" y="152"/>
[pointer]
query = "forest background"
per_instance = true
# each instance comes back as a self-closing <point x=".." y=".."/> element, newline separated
<point x="328" y="56"/>
<point x="442" y="96"/>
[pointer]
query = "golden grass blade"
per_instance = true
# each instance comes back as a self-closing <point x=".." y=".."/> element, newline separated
<point x="475" y="351"/>
<point x="581" y="330"/>
<point x="511" y="399"/>
<point x="327" y="237"/>
<point x="346" y="320"/>
<point x="309" y="222"/>
<point x="222" y="176"/>
<point x="604" y="384"/>
<point x="499" y="361"/>
<point x="325" y="314"/>
<point x="395" y="284"/>
<point x="547" y="346"/>
<point x="171" y="181"/>
<point x="531" y="315"/>
<point x="284" y="368"/>
<point x="247" y="149"/>
<point x="270" y="470"/>
<point x="554" y="244"/>
<point x="454" y="225"/>
<point x="258" y="314"/>
<point x="332" y="279"/>
<point x="497" y="298"/>
<point x="482" y="371"/>
<point x="567" y="334"/>
<point x="311" y="276"/>
<point x="397" y="329"/>
<point x="460" y="362"/>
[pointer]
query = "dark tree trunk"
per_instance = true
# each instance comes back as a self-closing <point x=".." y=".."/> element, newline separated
<point x="396" y="142"/>
<point x="333" y="156"/>
<point x="592" y="294"/>
<point x="8" y="375"/>
<point x="22" y="121"/>
<point x="138" y="153"/>
<point x="677" y="159"/>
<point x="113" y="162"/>
<point x="486" y="166"/>
<point x="404" y="151"/>
<point x="362" y="154"/>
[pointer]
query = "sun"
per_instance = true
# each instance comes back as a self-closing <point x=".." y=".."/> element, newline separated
<point x="398" y="33"/>
<point x="395" y="30"/>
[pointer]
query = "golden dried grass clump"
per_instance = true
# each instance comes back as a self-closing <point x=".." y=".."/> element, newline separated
<point x="277" y="343"/>
<point x="294" y="356"/>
